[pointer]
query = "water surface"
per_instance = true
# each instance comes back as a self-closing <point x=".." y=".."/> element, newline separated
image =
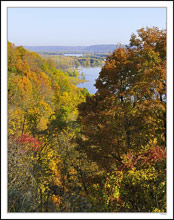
<point x="73" y="54"/>
<point x="91" y="74"/>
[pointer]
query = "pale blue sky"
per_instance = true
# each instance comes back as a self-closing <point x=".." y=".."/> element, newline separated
<point x="79" y="26"/>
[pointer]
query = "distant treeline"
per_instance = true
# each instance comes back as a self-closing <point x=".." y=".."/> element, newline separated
<point x="67" y="62"/>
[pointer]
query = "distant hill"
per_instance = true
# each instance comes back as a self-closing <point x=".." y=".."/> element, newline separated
<point x="72" y="49"/>
<point x="55" y="48"/>
<point x="101" y="48"/>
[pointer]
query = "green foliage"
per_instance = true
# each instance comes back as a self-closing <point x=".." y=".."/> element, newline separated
<point x="85" y="92"/>
<point x="67" y="62"/>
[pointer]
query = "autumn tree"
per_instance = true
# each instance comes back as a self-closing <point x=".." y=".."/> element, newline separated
<point x="128" y="111"/>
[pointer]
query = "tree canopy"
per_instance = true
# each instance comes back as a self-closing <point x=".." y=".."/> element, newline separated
<point x="126" y="132"/>
<point x="70" y="151"/>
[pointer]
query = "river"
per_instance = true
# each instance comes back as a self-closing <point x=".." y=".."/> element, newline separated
<point x="91" y="74"/>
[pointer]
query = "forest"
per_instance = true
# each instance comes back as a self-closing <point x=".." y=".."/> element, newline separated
<point x="66" y="62"/>
<point x="71" y="151"/>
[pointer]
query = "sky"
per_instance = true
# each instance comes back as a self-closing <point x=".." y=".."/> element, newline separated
<point x="79" y="26"/>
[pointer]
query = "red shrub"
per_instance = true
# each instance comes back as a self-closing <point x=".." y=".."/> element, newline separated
<point x="30" y="141"/>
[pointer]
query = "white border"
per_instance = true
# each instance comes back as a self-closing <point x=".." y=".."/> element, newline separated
<point x="169" y="5"/>
<point x="76" y="4"/>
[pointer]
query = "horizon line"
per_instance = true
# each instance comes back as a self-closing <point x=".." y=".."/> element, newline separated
<point x="73" y="46"/>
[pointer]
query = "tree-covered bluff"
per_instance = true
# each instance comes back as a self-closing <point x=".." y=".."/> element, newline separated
<point x="70" y="151"/>
<point x="42" y="112"/>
